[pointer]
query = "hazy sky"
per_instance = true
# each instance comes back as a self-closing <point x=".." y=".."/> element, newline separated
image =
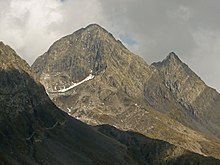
<point x="149" y="28"/>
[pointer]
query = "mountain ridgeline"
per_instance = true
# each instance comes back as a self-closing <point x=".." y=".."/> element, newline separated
<point x="199" y="101"/>
<point x="34" y="131"/>
<point x="96" y="79"/>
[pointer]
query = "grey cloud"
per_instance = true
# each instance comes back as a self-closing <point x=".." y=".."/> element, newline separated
<point x="151" y="28"/>
<point x="150" y="24"/>
<point x="160" y="27"/>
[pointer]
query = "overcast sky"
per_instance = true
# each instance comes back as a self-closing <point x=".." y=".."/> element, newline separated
<point x="149" y="28"/>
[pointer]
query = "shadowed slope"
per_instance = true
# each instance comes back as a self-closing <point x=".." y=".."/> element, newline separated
<point x="152" y="151"/>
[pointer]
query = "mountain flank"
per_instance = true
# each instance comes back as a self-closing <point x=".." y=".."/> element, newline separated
<point x="165" y="100"/>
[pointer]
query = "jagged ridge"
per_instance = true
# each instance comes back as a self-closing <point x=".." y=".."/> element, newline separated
<point x="199" y="101"/>
<point x="127" y="93"/>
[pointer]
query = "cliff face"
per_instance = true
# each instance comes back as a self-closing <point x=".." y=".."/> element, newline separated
<point x="94" y="78"/>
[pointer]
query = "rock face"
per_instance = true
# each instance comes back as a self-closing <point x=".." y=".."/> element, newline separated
<point x="199" y="103"/>
<point x="93" y="77"/>
<point x="91" y="50"/>
<point x="34" y="131"/>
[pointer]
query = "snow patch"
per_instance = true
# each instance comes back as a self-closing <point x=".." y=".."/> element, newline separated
<point x="69" y="109"/>
<point x="76" y="84"/>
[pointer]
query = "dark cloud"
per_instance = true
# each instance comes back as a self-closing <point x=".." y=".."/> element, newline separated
<point x="152" y="24"/>
<point x="150" y="28"/>
<point x="189" y="28"/>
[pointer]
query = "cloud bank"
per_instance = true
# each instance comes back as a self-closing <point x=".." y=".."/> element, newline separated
<point x="150" y="28"/>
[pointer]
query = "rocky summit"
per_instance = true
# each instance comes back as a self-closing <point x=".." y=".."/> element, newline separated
<point x="199" y="104"/>
<point x="96" y="79"/>
<point x="34" y="131"/>
<point x="91" y="50"/>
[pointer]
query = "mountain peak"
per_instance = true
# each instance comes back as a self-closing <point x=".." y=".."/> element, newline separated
<point x="2" y="46"/>
<point x="89" y="50"/>
<point x="171" y="59"/>
<point x="91" y="29"/>
<point x="96" y="30"/>
<point x="172" y="56"/>
<point x="75" y="55"/>
<point x="93" y="26"/>
<point x="6" y="52"/>
<point x="9" y="59"/>
<point x="1" y="43"/>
